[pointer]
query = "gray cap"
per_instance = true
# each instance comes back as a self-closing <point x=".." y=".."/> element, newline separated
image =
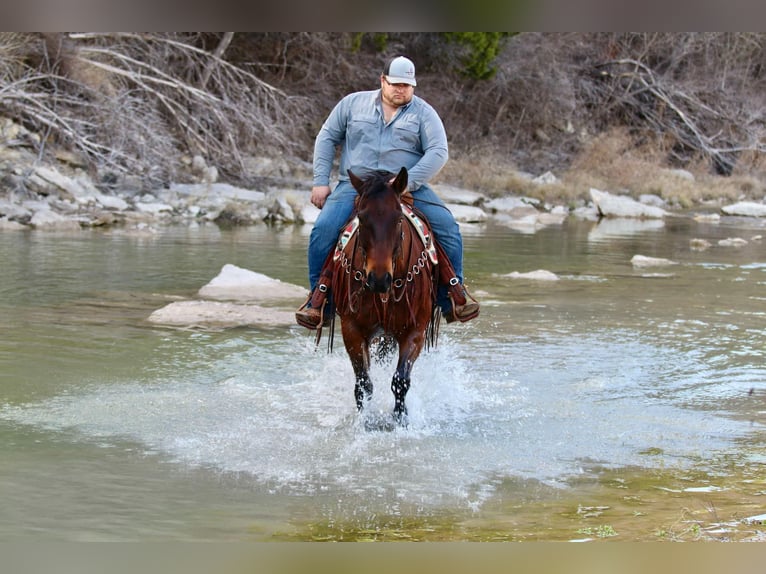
<point x="400" y="70"/>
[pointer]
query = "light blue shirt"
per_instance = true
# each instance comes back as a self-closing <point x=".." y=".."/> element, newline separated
<point x="414" y="138"/>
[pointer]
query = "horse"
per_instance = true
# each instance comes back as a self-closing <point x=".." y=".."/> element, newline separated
<point x="384" y="283"/>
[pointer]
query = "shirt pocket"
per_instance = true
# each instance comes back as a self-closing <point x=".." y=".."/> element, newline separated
<point x="361" y="129"/>
<point x="407" y="135"/>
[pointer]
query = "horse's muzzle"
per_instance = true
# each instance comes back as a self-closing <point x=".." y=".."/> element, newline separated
<point x="379" y="283"/>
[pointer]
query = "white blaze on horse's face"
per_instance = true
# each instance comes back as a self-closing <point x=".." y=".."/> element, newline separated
<point x="380" y="218"/>
<point x="380" y="235"/>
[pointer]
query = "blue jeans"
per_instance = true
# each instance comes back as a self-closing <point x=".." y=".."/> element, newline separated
<point x="338" y="207"/>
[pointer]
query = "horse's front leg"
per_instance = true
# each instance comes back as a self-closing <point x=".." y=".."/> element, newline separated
<point x="358" y="350"/>
<point x="409" y="349"/>
<point x="362" y="387"/>
<point x="400" y="385"/>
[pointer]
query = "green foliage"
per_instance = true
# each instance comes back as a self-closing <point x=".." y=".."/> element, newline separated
<point x="483" y="48"/>
<point x="378" y="39"/>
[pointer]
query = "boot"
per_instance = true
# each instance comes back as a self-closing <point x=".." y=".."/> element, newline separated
<point x="315" y="311"/>
<point x="462" y="309"/>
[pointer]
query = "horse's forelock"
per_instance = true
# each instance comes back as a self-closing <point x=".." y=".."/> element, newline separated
<point x="376" y="182"/>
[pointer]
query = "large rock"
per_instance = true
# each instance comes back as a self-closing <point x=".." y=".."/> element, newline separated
<point x="538" y="275"/>
<point x="7" y="225"/>
<point x="610" y="205"/>
<point x="79" y="189"/>
<point x="218" y="314"/>
<point x="218" y="190"/>
<point x="467" y="213"/>
<point x="50" y="220"/>
<point x="646" y="261"/>
<point x="509" y="204"/>
<point x="451" y="194"/>
<point x="236" y="283"/>
<point x="746" y="209"/>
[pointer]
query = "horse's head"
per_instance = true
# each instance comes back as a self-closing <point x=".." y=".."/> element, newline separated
<point x="380" y="224"/>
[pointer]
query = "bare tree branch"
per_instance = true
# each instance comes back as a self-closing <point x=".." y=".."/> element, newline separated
<point x="222" y="45"/>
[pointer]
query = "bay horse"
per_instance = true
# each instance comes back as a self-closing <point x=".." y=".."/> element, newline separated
<point x="384" y="283"/>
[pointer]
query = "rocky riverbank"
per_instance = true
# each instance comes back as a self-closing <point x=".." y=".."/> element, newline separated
<point x="63" y="196"/>
<point x="61" y="193"/>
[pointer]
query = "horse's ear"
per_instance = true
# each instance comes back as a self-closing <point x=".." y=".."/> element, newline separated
<point x="355" y="181"/>
<point x="400" y="183"/>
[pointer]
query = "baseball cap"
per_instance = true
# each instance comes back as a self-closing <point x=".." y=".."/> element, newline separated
<point x="400" y="70"/>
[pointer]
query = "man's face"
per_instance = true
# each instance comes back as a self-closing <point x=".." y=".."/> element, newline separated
<point x="396" y="95"/>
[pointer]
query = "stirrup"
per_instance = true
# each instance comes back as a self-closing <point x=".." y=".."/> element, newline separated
<point x="469" y="309"/>
<point x="313" y="321"/>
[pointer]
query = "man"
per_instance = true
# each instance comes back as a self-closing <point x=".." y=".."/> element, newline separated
<point x="384" y="129"/>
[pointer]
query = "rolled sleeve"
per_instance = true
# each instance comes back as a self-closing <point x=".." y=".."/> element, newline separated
<point x="331" y="135"/>
<point x="433" y="139"/>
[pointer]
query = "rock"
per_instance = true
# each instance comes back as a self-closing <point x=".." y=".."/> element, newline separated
<point x="527" y="224"/>
<point x="467" y="213"/>
<point x="308" y="214"/>
<point x="546" y="178"/>
<point x="644" y="261"/>
<point x="80" y="189"/>
<point x="14" y="212"/>
<point x="707" y="217"/>
<point x="216" y="314"/>
<point x="610" y="205"/>
<point x="232" y="214"/>
<point x="198" y="164"/>
<point x="112" y="202"/>
<point x="70" y="158"/>
<point x="746" y="209"/>
<point x="50" y="220"/>
<point x="682" y="174"/>
<point x="218" y="190"/>
<point x="651" y="199"/>
<point x="281" y="210"/>
<point x="153" y="208"/>
<point x="236" y="283"/>
<point x="732" y="242"/>
<point x="451" y="194"/>
<point x="7" y="225"/>
<point x="507" y="204"/>
<point x="699" y="244"/>
<point x="538" y="275"/>
<point x="588" y="212"/>
<point x="551" y="218"/>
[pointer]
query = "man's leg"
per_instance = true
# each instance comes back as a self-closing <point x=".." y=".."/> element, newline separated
<point x="447" y="233"/>
<point x="443" y="224"/>
<point x="324" y="235"/>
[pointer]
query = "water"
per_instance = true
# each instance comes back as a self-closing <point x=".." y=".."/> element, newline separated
<point x="608" y="387"/>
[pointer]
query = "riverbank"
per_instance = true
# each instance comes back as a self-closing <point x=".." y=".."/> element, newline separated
<point x="63" y="194"/>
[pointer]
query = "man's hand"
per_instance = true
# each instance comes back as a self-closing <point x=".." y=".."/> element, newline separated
<point x="319" y="195"/>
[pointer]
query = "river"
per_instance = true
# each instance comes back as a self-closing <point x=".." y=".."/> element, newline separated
<point x="615" y="402"/>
